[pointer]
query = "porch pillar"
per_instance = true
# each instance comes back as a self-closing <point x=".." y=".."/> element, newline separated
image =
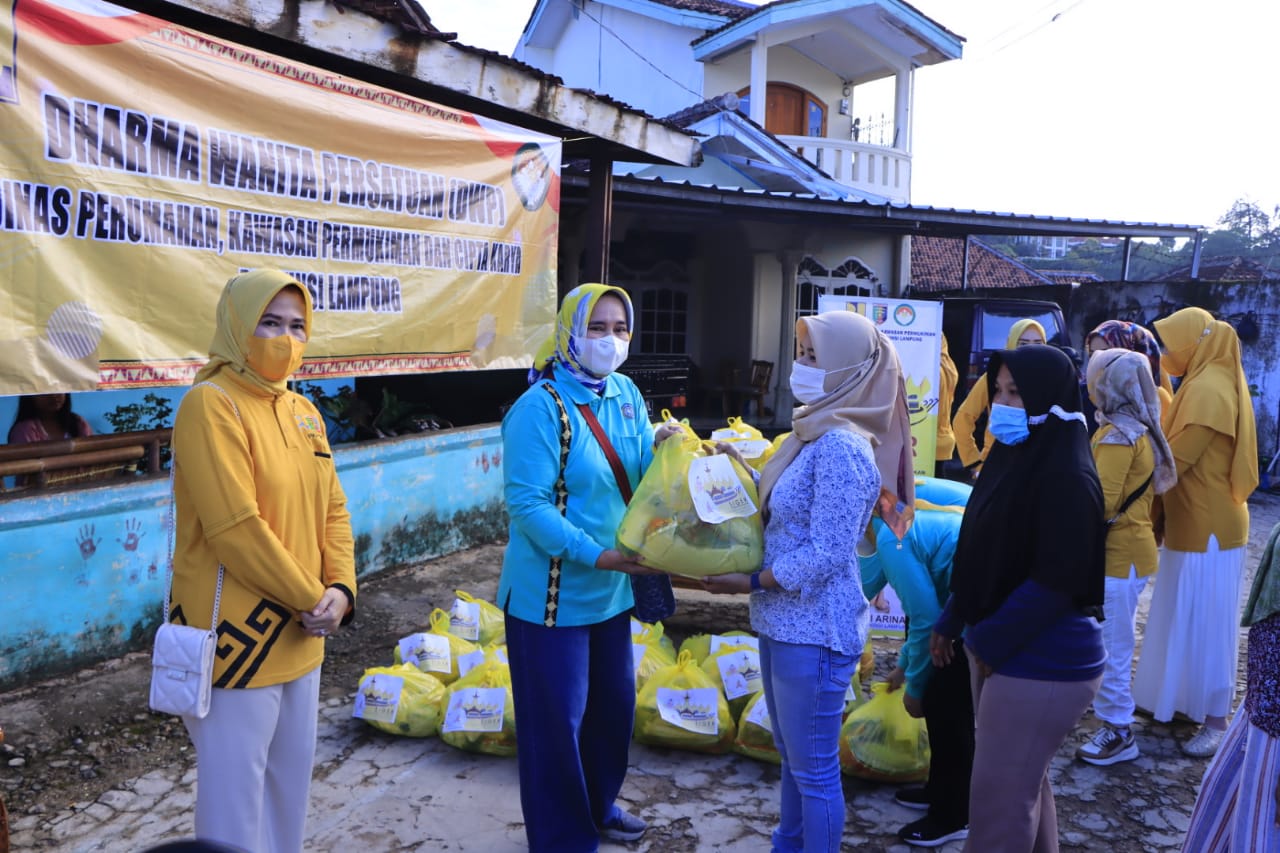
<point x="789" y="262"/>
<point x="599" y="219"/>
<point x="759" y="80"/>
<point x="902" y="110"/>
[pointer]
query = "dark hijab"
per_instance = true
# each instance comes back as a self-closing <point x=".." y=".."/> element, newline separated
<point x="1036" y="510"/>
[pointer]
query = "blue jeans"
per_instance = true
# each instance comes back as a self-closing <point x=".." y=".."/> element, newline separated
<point x="804" y="687"/>
<point x="575" y="695"/>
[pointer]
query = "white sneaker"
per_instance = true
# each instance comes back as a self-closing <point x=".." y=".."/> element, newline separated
<point x="1108" y="746"/>
<point x="1205" y="742"/>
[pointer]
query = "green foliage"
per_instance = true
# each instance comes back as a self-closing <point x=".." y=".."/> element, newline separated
<point x="154" y="412"/>
<point x="352" y="419"/>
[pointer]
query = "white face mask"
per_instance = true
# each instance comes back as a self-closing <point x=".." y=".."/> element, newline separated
<point x="806" y="382"/>
<point x="601" y="356"/>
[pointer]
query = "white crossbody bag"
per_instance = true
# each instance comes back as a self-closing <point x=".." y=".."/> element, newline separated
<point x="182" y="658"/>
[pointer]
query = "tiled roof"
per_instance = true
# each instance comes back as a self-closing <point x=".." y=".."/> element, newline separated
<point x="407" y="13"/>
<point x="1227" y="268"/>
<point x="937" y="264"/>
<point x="728" y="8"/>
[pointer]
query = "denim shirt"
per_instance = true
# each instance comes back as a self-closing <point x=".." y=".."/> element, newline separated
<point x="819" y="508"/>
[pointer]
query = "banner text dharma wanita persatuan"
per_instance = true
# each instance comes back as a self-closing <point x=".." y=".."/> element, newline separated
<point x="149" y="163"/>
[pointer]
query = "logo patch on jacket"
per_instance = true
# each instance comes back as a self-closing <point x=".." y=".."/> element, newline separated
<point x="628" y="411"/>
<point x="310" y="425"/>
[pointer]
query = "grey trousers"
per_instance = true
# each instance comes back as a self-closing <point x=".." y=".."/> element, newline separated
<point x="1021" y="723"/>
<point x="254" y="753"/>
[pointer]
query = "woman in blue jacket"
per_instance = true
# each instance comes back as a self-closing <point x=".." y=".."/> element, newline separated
<point x="918" y="567"/>
<point x="564" y="588"/>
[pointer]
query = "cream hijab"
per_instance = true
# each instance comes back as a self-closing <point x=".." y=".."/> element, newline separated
<point x="864" y="394"/>
<point x="1122" y="388"/>
<point x="243" y="300"/>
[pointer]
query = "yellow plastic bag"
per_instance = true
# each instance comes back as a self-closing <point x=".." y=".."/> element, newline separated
<point x="880" y="741"/>
<point x="479" y="711"/>
<point x="735" y="669"/>
<point x="400" y="700"/>
<point x="476" y="620"/>
<point x="435" y="651"/>
<point x="755" y="732"/>
<point x="748" y="441"/>
<point x="649" y="652"/>
<point x="699" y="645"/>
<point x="640" y="633"/>
<point x="662" y="525"/>
<point x="867" y="663"/>
<point x="679" y="707"/>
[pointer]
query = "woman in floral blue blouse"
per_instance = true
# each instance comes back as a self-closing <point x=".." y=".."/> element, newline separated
<point x="849" y="450"/>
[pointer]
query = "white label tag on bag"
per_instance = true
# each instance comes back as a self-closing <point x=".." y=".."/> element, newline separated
<point x="759" y="715"/>
<point x="740" y="673"/>
<point x="718" y="495"/>
<point x="695" y="710"/>
<point x="719" y="641"/>
<point x="464" y="619"/>
<point x="428" y="652"/>
<point x="469" y="661"/>
<point x="475" y="709"/>
<point x="637" y="656"/>
<point x="378" y="698"/>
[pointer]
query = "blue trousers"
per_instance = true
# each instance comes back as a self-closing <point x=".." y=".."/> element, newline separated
<point x="575" y="695"/>
<point x="804" y="687"/>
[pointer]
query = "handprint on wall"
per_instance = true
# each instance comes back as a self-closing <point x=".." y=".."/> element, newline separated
<point x="133" y="534"/>
<point x="88" y="544"/>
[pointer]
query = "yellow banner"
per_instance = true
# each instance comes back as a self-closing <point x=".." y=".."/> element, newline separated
<point x="143" y="164"/>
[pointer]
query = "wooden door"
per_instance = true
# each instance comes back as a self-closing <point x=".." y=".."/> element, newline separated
<point x="784" y="111"/>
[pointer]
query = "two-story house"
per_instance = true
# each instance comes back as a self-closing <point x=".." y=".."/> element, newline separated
<point x="804" y="109"/>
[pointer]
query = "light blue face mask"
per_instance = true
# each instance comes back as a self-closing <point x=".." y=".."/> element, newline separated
<point x="1008" y="424"/>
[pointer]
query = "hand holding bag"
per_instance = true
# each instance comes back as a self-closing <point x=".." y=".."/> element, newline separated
<point x="182" y="658"/>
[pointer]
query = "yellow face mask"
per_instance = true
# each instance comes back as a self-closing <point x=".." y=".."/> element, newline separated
<point x="274" y="358"/>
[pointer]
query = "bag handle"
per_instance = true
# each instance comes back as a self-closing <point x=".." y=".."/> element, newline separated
<point x="172" y="525"/>
<point x="619" y="471"/>
<point x="1128" y="502"/>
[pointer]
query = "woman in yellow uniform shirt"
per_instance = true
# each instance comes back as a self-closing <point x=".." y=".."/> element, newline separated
<point x="1190" y="651"/>
<point x="256" y="492"/>
<point x="965" y="423"/>
<point x="1134" y="465"/>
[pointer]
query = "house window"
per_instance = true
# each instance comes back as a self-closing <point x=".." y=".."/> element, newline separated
<point x="813" y="280"/>
<point x="662" y="321"/>
<point x="789" y="110"/>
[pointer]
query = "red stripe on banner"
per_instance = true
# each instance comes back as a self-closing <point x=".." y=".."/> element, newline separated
<point x="73" y="27"/>
<point x="156" y="374"/>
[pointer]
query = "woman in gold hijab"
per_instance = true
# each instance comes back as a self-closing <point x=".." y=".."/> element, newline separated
<point x="261" y="520"/>
<point x="1191" y="647"/>
<point x="849" y="452"/>
<point x="977" y="404"/>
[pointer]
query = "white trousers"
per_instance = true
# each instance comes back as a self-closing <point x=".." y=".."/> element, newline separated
<point x="254" y="753"/>
<point x="1114" y="702"/>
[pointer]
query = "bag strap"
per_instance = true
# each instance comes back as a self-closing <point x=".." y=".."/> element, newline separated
<point x="552" y="604"/>
<point x="1128" y="502"/>
<point x="172" y="523"/>
<point x="619" y="471"/>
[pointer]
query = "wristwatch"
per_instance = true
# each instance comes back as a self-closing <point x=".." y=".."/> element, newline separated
<point x="755" y="581"/>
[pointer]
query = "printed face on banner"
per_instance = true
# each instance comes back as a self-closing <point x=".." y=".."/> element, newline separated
<point x="143" y="164"/>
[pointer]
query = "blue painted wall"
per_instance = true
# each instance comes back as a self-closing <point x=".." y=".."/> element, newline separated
<point x="83" y="572"/>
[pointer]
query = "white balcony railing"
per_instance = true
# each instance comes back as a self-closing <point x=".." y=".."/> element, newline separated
<point x="857" y="165"/>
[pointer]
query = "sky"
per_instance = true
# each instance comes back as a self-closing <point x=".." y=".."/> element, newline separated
<point x="1136" y="110"/>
